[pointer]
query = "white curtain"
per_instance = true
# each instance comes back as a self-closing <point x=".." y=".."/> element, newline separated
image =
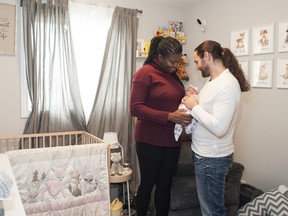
<point x="111" y="106"/>
<point x="50" y="68"/>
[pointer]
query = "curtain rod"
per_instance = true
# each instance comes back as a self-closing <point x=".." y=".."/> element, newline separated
<point x="138" y="11"/>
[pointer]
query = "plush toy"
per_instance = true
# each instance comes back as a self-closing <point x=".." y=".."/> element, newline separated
<point x="181" y="71"/>
<point x="116" y="167"/>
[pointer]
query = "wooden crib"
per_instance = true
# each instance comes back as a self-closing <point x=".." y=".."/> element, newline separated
<point x="76" y="182"/>
<point x="44" y="140"/>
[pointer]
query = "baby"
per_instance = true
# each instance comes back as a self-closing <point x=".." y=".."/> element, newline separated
<point x="191" y="90"/>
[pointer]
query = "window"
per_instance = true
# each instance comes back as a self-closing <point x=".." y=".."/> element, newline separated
<point x="26" y="106"/>
<point x="89" y="28"/>
<point x="89" y="25"/>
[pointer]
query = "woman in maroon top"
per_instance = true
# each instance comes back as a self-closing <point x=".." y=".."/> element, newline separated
<point x="155" y="95"/>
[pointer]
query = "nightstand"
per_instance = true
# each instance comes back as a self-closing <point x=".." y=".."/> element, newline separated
<point x="125" y="177"/>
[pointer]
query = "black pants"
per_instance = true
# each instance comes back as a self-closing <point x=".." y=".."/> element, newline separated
<point x="157" y="167"/>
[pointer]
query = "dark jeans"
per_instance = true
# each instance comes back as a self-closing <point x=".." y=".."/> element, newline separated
<point x="157" y="167"/>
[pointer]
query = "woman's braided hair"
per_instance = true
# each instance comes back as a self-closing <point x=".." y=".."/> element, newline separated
<point x="228" y="59"/>
<point x="166" y="46"/>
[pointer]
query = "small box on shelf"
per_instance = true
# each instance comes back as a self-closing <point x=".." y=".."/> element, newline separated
<point x="142" y="48"/>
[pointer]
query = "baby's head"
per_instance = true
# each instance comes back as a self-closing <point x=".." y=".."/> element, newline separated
<point x="191" y="90"/>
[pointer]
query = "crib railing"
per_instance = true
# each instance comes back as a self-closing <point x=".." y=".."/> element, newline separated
<point x="46" y="140"/>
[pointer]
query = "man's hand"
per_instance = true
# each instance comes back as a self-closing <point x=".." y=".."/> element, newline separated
<point x="190" y="102"/>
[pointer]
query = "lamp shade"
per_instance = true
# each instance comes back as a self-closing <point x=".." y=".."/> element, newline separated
<point x="110" y="137"/>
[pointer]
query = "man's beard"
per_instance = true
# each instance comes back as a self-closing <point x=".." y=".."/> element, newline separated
<point x="205" y="71"/>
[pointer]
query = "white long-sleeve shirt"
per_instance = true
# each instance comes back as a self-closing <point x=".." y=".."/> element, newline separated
<point x="216" y="115"/>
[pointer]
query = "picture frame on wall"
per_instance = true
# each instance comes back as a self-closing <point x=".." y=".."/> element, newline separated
<point x="245" y="68"/>
<point x="263" y="39"/>
<point x="282" y="73"/>
<point x="283" y="37"/>
<point x="262" y="71"/>
<point x="240" y="42"/>
<point x="7" y="29"/>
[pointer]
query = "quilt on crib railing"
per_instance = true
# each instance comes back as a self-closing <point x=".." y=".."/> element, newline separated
<point x="70" y="180"/>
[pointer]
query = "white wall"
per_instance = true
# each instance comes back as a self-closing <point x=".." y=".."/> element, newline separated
<point x="261" y="136"/>
<point x="261" y="139"/>
<point x="10" y="120"/>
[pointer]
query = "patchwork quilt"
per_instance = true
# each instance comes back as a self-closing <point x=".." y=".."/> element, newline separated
<point x="69" y="180"/>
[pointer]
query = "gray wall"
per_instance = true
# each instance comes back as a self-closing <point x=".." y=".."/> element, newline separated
<point x="260" y="138"/>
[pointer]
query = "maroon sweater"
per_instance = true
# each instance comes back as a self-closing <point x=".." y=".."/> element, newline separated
<point x="154" y="94"/>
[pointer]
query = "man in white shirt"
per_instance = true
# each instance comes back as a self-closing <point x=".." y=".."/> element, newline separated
<point x="216" y="113"/>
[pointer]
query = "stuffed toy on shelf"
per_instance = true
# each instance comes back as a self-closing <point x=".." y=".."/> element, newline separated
<point x="181" y="71"/>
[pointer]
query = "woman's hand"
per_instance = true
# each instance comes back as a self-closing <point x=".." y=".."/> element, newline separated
<point x="180" y="117"/>
<point x="190" y="101"/>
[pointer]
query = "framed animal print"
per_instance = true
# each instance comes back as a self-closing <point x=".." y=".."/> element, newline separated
<point x="283" y="37"/>
<point x="245" y="67"/>
<point x="240" y="42"/>
<point x="282" y="73"/>
<point x="263" y="39"/>
<point x="262" y="71"/>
